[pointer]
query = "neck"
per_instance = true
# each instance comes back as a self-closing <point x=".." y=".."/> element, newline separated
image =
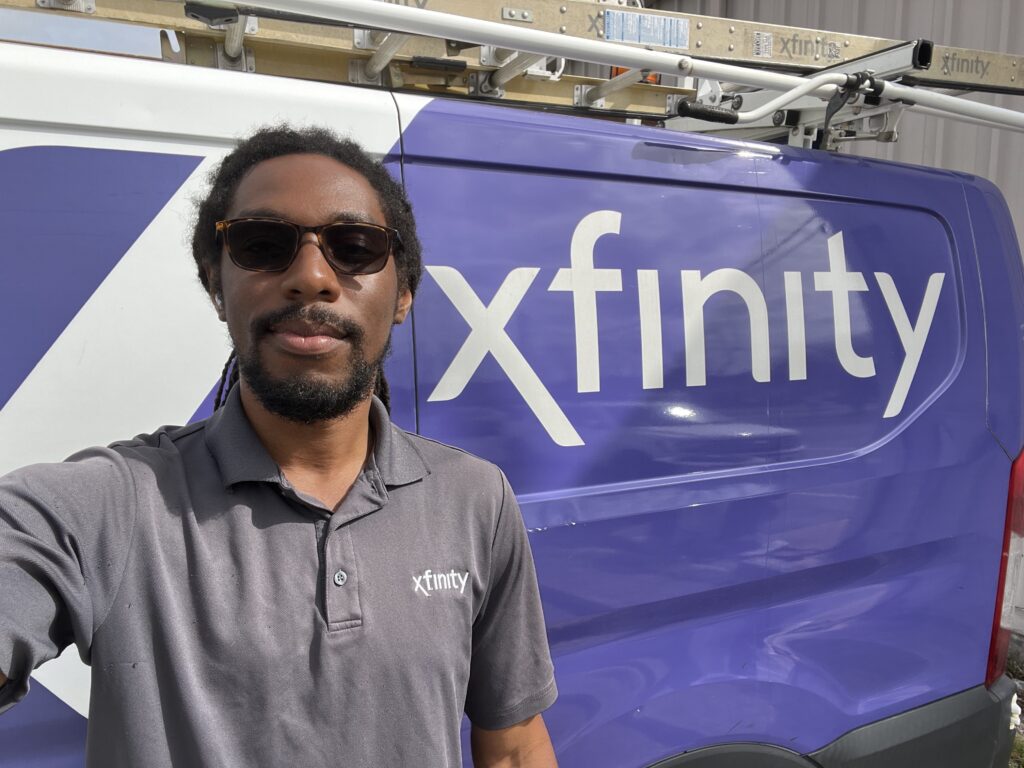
<point x="322" y="459"/>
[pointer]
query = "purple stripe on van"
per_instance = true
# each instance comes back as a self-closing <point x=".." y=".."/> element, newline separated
<point x="42" y="732"/>
<point x="68" y="215"/>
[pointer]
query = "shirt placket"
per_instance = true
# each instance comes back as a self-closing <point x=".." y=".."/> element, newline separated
<point x="341" y="572"/>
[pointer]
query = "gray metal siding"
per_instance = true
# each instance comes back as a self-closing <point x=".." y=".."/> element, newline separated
<point x="995" y="25"/>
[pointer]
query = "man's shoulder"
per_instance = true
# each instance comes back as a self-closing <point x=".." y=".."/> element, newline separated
<point x="163" y="439"/>
<point x="447" y="462"/>
<point x="100" y="466"/>
<point x="165" y="449"/>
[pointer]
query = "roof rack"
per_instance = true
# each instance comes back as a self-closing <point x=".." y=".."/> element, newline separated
<point x="695" y="72"/>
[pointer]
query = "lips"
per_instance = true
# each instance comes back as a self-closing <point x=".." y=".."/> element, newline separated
<point x="303" y="337"/>
<point x="307" y="329"/>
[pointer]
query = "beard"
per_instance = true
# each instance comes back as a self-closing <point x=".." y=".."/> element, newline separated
<point x="309" y="398"/>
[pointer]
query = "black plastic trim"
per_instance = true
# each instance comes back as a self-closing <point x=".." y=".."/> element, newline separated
<point x="966" y="730"/>
<point x="923" y="54"/>
<point x="703" y="112"/>
<point x="438" y="65"/>
<point x="211" y="14"/>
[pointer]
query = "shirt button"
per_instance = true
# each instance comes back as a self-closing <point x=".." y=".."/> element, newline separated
<point x="340" y="577"/>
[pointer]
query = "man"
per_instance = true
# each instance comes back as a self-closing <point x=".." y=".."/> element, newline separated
<point x="294" y="581"/>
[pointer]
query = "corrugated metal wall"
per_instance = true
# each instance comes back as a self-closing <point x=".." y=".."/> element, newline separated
<point x="994" y="25"/>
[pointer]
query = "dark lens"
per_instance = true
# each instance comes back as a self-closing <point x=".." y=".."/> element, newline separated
<point x="357" y="249"/>
<point x="265" y="246"/>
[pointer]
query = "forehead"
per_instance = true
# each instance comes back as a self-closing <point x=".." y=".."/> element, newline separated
<point x="307" y="189"/>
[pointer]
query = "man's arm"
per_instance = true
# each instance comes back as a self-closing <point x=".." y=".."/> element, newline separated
<point x="524" y="745"/>
<point x="511" y="679"/>
<point x="66" y="531"/>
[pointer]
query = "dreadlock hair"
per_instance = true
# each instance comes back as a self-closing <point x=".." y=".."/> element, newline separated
<point x="277" y="141"/>
<point x="228" y="377"/>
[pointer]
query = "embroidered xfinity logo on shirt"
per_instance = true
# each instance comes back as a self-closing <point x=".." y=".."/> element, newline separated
<point x="431" y="582"/>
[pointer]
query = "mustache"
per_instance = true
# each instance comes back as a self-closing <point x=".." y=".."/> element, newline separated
<point x="319" y="315"/>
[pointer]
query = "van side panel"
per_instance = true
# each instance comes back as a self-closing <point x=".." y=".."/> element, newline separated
<point x="1002" y="278"/>
<point x="765" y="545"/>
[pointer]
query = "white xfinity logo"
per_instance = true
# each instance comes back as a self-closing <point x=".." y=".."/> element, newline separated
<point x="584" y="281"/>
<point x="430" y="582"/>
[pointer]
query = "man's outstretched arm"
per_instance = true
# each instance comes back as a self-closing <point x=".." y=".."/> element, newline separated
<point x="524" y="745"/>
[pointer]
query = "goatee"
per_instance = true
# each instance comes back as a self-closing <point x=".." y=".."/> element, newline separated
<point x="308" y="399"/>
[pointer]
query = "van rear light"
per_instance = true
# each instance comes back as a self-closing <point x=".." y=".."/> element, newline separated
<point x="1008" y="594"/>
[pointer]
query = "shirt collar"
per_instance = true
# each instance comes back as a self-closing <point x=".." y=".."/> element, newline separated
<point x="396" y="456"/>
<point x="241" y="457"/>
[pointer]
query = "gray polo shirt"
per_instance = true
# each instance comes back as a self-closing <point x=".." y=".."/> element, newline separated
<point x="231" y="620"/>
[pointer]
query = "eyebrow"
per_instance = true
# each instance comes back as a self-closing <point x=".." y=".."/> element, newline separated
<point x="350" y="217"/>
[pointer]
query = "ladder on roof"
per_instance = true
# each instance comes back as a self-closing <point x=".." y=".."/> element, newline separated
<point x="693" y="72"/>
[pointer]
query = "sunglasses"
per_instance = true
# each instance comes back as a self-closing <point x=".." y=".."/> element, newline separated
<point x="270" y="245"/>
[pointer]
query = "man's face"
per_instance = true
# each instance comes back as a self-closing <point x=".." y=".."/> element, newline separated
<point x="309" y="340"/>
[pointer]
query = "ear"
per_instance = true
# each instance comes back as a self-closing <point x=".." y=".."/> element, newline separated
<point x="215" y="293"/>
<point x="402" y="306"/>
<point x="218" y="304"/>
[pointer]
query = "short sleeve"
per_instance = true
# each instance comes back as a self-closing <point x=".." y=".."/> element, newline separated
<point x="65" y="533"/>
<point x="511" y="676"/>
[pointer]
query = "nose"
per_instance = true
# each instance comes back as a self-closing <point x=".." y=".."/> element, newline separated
<point x="310" y="277"/>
